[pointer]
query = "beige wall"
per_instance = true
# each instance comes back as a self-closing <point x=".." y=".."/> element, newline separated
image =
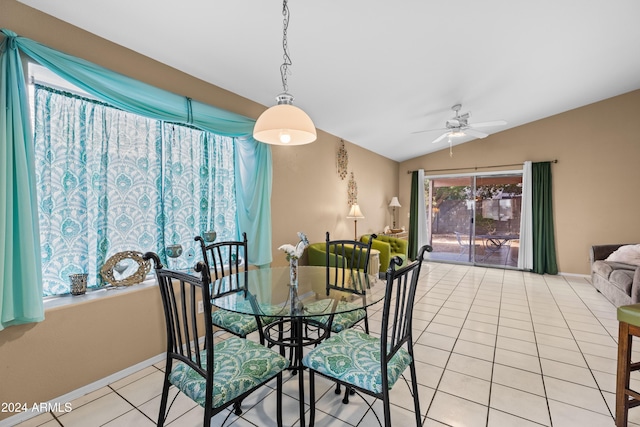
<point x="595" y="182"/>
<point x="112" y="334"/>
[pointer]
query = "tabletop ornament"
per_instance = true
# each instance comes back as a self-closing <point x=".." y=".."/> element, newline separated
<point x="293" y="255"/>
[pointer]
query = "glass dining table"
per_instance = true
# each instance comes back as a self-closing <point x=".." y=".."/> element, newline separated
<point x="296" y="317"/>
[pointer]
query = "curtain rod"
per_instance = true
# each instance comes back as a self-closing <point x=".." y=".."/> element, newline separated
<point x="480" y="167"/>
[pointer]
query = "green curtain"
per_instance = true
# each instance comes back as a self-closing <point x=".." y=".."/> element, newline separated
<point x="413" y="217"/>
<point x="544" y="245"/>
<point x="20" y="268"/>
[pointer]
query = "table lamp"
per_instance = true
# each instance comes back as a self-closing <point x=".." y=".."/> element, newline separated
<point x="354" y="214"/>
<point x="394" y="204"/>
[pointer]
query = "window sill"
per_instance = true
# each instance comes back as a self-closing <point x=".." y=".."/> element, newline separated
<point x="55" y="302"/>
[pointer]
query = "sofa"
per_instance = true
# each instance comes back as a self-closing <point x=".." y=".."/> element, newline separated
<point x="316" y="255"/>
<point x="618" y="281"/>
<point x="388" y="247"/>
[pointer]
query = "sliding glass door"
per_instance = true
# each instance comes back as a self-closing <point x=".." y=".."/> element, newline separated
<point x="475" y="218"/>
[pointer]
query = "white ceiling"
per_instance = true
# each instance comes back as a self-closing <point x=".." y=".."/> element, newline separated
<point x="372" y="71"/>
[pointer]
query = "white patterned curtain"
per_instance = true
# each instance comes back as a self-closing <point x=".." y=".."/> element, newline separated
<point x="110" y="181"/>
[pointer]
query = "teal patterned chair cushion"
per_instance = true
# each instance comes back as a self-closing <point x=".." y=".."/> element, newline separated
<point x="354" y="357"/>
<point x="239" y="366"/>
<point x="341" y="321"/>
<point x="242" y="324"/>
<point x="239" y="324"/>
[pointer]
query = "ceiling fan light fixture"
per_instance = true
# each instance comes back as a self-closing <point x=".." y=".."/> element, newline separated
<point x="456" y="134"/>
<point x="284" y="124"/>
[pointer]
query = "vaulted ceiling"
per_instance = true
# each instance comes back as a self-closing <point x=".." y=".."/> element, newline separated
<point x="374" y="72"/>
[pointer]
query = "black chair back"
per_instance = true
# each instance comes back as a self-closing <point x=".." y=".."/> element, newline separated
<point x="181" y="293"/>
<point x="397" y="313"/>
<point x="224" y="258"/>
<point x="347" y="264"/>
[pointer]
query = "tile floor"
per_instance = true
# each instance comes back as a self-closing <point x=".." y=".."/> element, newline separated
<point x="493" y="348"/>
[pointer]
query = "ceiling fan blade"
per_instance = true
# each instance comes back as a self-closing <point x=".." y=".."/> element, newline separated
<point x="440" y="138"/>
<point x="488" y="124"/>
<point x="428" y="130"/>
<point x="475" y="133"/>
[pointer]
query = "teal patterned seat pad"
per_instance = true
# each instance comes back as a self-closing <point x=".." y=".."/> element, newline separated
<point x="241" y="324"/>
<point x="239" y="366"/>
<point x="341" y="321"/>
<point x="354" y="357"/>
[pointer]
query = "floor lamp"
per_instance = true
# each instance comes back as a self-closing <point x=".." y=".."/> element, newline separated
<point x="394" y="204"/>
<point x="355" y="213"/>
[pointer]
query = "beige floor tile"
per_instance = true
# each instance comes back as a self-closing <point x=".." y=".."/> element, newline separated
<point x="555" y="341"/>
<point x="472" y="349"/>
<point x="505" y="331"/>
<point x="446" y="330"/>
<point x="144" y="389"/>
<point x="442" y="342"/>
<point x="517" y="360"/>
<point x="567" y="372"/>
<point x="522" y="404"/>
<point x="471" y="366"/>
<point x="478" y="337"/>
<point x="133" y="377"/>
<point x="132" y="418"/>
<point x="431" y="355"/>
<point x="566" y="415"/>
<point x="576" y="395"/>
<point x="502" y="419"/>
<point x="487" y="328"/>
<point x="428" y="375"/>
<point x="97" y="412"/>
<point x="454" y="411"/>
<point x="518" y="379"/>
<point x="561" y="355"/>
<point x="517" y="345"/>
<point x="465" y="386"/>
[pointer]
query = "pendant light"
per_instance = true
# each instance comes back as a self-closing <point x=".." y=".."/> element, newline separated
<point x="284" y="123"/>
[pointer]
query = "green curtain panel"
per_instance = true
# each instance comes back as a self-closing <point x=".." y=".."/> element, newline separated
<point x="20" y="265"/>
<point x="544" y="244"/>
<point x="413" y="216"/>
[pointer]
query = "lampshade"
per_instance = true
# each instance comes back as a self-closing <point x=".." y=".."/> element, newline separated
<point x="284" y="124"/>
<point x="355" y="212"/>
<point x="395" y="203"/>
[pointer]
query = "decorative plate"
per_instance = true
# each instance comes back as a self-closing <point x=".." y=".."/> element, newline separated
<point x="125" y="269"/>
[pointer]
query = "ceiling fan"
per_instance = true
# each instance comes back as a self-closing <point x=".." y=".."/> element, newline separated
<point x="459" y="126"/>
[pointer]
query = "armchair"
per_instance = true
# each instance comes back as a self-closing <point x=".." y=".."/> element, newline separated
<point x="389" y="247"/>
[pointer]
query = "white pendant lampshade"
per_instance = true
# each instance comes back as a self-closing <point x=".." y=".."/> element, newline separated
<point x="284" y="124"/>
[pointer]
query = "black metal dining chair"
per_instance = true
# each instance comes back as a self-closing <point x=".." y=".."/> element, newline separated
<point x="214" y="375"/>
<point x="223" y="259"/>
<point x="372" y="365"/>
<point x="347" y="263"/>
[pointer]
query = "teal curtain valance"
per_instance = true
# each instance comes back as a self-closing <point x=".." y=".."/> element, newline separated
<point x="20" y="289"/>
<point x="132" y="95"/>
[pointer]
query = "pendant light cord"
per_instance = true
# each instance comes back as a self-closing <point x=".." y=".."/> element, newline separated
<point x="284" y="68"/>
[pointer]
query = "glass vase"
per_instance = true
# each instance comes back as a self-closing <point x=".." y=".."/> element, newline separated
<point x="293" y="272"/>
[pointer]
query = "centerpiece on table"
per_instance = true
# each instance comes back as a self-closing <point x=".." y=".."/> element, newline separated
<point x="293" y="255"/>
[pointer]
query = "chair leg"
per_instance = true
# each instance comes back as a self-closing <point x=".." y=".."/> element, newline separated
<point x="414" y="386"/>
<point x="279" y="399"/>
<point x="387" y="408"/>
<point x="623" y="373"/>
<point x="163" y="401"/>
<point x="237" y="408"/>
<point x="312" y="398"/>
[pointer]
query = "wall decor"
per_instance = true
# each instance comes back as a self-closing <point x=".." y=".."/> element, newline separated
<point x="125" y="269"/>
<point x="352" y="191"/>
<point x="342" y="160"/>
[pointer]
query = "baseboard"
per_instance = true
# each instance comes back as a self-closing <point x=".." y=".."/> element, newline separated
<point x="75" y="394"/>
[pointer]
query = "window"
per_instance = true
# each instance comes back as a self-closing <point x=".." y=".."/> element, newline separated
<point x="109" y="181"/>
